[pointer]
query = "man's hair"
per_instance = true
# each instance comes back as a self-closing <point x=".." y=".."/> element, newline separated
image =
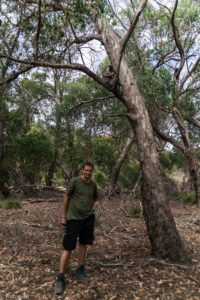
<point x="88" y="163"/>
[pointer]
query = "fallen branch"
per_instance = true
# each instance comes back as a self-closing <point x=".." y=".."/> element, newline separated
<point x="119" y="264"/>
<point x="162" y="262"/>
<point x="36" y="225"/>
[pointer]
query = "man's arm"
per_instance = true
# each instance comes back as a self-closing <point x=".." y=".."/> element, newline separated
<point x="64" y="210"/>
<point x="94" y="199"/>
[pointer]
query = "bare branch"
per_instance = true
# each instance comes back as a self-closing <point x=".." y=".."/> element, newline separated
<point x="178" y="43"/>
<point x="163" y="59"/>
<point x="38" y="28"/>
<point x="79" y="41"/>
<point x="168" y="139"/>
<point x="75" y="66"/>
<point x="193" y="121"/>
<point x="160" y="4"/>
<point x="116" y="16"/>
<point x="192" y="70"/>
<point x="16" y="75"/>
<point x="126" y="38"/>
<point x="44" y="64"/>
<point x="89" y="101"/>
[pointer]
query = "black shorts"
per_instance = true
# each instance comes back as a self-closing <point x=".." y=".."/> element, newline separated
<point x="84" y="229"/>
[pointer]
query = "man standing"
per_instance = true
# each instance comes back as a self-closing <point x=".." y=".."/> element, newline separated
<point x="78" y="220"/>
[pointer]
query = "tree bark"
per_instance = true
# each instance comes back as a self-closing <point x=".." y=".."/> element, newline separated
<point x="3" y="186"/>
<point x="189" y="153"/>
<point x="164" y="237"/>
<point x="119" y="163"/>
<point x="1" y="122"/>
<point x="51" y="170"/>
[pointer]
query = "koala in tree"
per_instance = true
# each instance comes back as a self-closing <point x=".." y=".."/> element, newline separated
<point x="108" y="74"/>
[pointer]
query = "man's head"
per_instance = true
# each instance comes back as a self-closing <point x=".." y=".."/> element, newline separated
<point x="87" y="170"/>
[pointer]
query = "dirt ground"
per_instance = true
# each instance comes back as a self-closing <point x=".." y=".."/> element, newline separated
<point x="119" y="262"/>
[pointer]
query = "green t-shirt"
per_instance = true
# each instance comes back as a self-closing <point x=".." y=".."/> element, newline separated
<point x="81" y="197"/>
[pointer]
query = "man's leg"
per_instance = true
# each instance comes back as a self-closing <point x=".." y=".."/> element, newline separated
<point x="60" y="281"/>
<point x="64" y="260"/>
<point x="82" y="251"/>
<point x="80" y="271"/>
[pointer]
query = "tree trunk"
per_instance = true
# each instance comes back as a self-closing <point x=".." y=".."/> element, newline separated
<point x="189" y="153"/>
<point x="119" y="163"/>
<point x="164" y="237"/>
<point x="51" y="170"/>
<point x="3" y="186"/>
<point x="1" y="122"/>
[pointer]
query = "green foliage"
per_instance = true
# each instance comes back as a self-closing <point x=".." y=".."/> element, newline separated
<point x="34" y="150"/>
<point x="104" y="152"/>
<point x="166" y="161"/>
<point x="10" y="203"/>
<point x="129" y="174"/>
<point x="86" y="10"/>
<point x="187" y="198"/>
<point x="99" y="177"/>
<point x="178" y="159"/>
<point x="134" y="211"/>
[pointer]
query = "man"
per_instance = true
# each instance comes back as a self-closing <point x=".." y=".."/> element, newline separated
<point x="78" y="221"/>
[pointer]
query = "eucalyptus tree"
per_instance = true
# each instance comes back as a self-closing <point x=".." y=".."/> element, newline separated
<point x="56" y="28"/>
<point x="9" y="38"/>
<point x="172" y="66"/>
<point x="24" y="131"/>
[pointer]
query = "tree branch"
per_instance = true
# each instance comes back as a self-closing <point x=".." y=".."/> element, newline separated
<point x="193" y="121"/>
<point x="127" y="36"/>
<point x="38" y="29"/>
<point x="193" y="68"/>
<point x="16" y="75"/>
<point x="168" y="139"/>
<point x="44" y="64"/>
<point x="178" y="43"/>
<point x="163" y="59"/>
<point x="89" y="101"/>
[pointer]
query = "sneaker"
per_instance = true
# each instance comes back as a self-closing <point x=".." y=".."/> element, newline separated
<point x="60" y="284"/>
<point x="81" y="275"/>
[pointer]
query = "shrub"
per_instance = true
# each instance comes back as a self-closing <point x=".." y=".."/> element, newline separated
<point x="134" y="211"/>
<point x="99" y="177"/>
<point x="10" y="203"/>
<point x="187" y="198"/>
<point x="129" y="175"/>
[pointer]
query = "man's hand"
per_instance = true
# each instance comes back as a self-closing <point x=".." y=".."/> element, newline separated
<point x="63" y="223"/>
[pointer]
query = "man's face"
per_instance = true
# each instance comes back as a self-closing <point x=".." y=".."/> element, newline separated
<point x="87" y="172"/>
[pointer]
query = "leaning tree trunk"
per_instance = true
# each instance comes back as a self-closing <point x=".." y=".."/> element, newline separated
<point x="119" y="163"/>
<point x="51" y="170"/>
<point x="3" y="187"/>
<point x="52" y="167"/>
<point x="1" y="122"/>
<point x="164" y="237"/>
<point x="189" y="153"/>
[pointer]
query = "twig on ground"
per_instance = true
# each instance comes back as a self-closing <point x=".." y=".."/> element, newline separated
<point x="188" y="223"/>
<point x="154" y="260"/>
<point x="36" y="225"/>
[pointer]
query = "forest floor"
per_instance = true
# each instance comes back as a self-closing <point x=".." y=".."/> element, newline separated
<point x="119" y="262"/>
